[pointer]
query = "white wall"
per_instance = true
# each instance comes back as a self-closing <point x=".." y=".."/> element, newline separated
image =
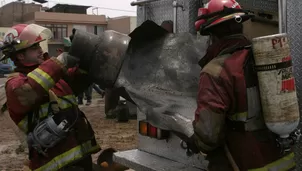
<point x="133" y="23"/>
<point x="80" y="27"/>
<point x="3" y="30"/>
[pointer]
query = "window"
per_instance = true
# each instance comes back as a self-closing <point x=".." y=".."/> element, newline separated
<point x="80" y="27"/>
<point x="98" y="30"/>
<point x="90" y="29"/>
<point x="59" y="30"/>
<point x="2" y="35"/>
<point x="95" y="29"/>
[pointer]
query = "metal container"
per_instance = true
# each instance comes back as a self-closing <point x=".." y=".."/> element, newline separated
<point x="276" y="83"/>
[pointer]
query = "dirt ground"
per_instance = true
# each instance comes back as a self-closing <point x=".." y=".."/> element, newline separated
<point x="109" y="133"/>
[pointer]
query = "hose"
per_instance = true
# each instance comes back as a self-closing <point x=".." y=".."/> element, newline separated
<point x="230" y="158"/>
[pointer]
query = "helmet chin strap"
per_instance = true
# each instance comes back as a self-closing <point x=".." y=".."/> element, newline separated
<point x="25" y="68"/>
<point x="28" y="63"/>
<point x="31" y="63"/>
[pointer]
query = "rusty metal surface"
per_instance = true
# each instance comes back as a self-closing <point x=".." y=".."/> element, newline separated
<point x="162" y="79"/>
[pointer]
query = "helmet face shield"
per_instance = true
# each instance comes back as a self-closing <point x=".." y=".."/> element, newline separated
<point x="33" y="33"/>
<point x="22" y="36"/>
<point x="25" y="36"/>
<point x="10" y="35"/>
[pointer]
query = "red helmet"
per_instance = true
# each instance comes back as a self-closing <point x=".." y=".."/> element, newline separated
<point x="22" y="36"/>
<point x="217" y="6"/>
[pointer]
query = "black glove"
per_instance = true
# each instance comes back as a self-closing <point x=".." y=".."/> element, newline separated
<point x="192" y="145"/>
<point x="190" y="142"/>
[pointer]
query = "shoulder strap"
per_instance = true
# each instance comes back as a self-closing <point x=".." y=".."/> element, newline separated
<point x="233" y="49"/>
<point x="250" y="74"/>
<point x="32" y="119"/>
<point x="249" y="65"/>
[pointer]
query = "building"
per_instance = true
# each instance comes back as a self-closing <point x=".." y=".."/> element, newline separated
<point x="61" y="19"/>
<point x="3" y="30"/>
<point x="123" y="24"/>
<point x="13" y="13"/>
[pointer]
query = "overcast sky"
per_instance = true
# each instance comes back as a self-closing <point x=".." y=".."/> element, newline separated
<point x="122" y="7"/>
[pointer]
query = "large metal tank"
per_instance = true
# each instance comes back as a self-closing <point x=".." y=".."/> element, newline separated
<point x="276" y="83"/>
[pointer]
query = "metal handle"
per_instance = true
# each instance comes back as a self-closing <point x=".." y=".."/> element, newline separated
<point x="282" y="16"/>
<point x="176" y="5"/>
<point x="140" y="3"/>
<point x="184" y="146"/>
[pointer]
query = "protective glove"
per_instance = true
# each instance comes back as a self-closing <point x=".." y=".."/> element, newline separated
<point x="67" y="60"/>
<point x="190" y="142"/>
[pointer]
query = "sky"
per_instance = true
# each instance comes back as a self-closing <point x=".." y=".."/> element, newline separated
<point x="122" y="7"/>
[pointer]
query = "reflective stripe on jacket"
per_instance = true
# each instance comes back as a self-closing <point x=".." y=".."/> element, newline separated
<point x="29" y="91"/>
<point x="42" y="78"/>
<point x="284" y="164"/>
<point x="43" y="111"/>
<point x="73" y="154"/>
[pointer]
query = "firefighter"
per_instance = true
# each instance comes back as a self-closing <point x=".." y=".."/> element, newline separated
<point x="228" y="126"/>
<point x="44" y="106"/>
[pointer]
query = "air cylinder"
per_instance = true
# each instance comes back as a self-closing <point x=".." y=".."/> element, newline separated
<point x="273" y="64"/>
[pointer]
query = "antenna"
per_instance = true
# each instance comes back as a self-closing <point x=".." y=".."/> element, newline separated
<point x="93" y="11"/>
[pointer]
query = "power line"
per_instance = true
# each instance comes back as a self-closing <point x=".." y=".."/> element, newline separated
<point x="57" y="2"/>
<point x="112" y="9"/>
